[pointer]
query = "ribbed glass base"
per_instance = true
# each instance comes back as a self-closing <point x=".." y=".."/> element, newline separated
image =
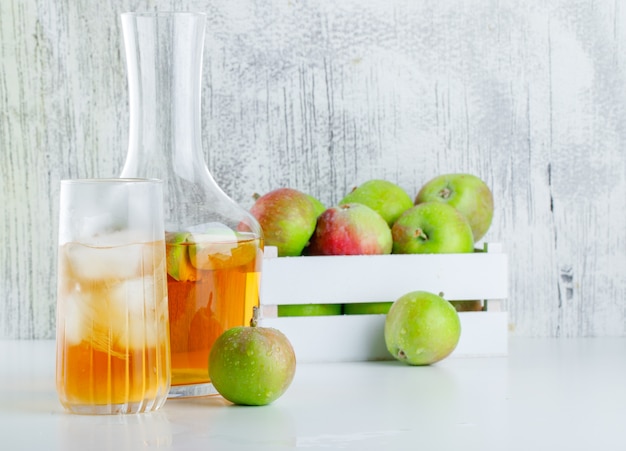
<point x="115" y="409"/>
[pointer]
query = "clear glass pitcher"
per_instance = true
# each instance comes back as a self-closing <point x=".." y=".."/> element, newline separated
<point x="214" y="246"/>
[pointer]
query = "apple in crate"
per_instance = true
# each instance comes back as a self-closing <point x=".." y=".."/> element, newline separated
<point x="309" y="309"/>
<point x="317" y="205"/>
<point x="350" y="229"/>
<point x="474" y="305"/>
<point x="432" y="228"/>
<point x="367" y="308"/>
<point x="288" y="218"/>
<point x="421" y="328"/>
<point x="252" y="365"/>
<point x="382" y="196"/>
<point x="465" y="192"/>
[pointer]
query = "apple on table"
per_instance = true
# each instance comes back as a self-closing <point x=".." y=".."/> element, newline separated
<point x="421" y="328"/>
<point x="251" y="365"/>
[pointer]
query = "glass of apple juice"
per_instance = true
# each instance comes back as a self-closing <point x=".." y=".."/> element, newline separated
<point x="112" y="335"/>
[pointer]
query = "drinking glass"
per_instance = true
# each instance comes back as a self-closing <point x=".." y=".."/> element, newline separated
<point x="112" y="340"/>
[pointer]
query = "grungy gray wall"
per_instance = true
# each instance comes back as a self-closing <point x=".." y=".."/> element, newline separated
<point x="322" y="95"/>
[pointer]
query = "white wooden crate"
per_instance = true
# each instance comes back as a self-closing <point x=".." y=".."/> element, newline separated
<point x="377" y="278"/>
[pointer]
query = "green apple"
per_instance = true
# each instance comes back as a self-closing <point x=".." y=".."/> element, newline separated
<point x="252" y="365"/>
<point x="288" y="218"/>
<point x="421" y="328"/>
<point x="432" y="228"/>
<point x="367" y="308"/>
<point x="179" y="266"/>
<point x="382" y="196"/>
<point x="317" y="205"/>
<point x="221" y="249"/>
<point x="350" y="229"/>
<point x="465" y="192"/>
<point x="309" y="309"/>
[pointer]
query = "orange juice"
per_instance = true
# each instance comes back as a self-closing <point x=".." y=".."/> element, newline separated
<point x="112" y="333"/>
<point x="212" y="286"/>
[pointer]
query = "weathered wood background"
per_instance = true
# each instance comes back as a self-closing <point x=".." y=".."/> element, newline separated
<point x="321" y="95"/>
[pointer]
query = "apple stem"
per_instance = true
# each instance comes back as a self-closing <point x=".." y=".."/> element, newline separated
<point x="421" y="235"/>
<point x="254" y="321"/>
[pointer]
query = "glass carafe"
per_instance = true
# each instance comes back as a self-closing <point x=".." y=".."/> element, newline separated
<point x="214" y="246"/>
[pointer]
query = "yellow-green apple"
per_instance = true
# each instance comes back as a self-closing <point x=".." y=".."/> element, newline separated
<point x="252" y="365"/>
<point x="467" y="193"/>
<point x="421" y="328"/>
<point x="432" y="228"/>
<point x="386" y="198"/>
<point x="317" y="204"/>
<point x="309" y="309"/>
<point x="366" y="308"/>
<point x="220" y="248"/>
<point x="287" y="217"/>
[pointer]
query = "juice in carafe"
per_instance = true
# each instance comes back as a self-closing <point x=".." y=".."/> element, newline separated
<point x="213" y="285"/>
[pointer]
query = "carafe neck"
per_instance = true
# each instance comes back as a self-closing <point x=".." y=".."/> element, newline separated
<point x="164" y="64"/>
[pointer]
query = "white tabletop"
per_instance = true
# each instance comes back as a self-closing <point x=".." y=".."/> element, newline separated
<point x="552" y="394"/>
